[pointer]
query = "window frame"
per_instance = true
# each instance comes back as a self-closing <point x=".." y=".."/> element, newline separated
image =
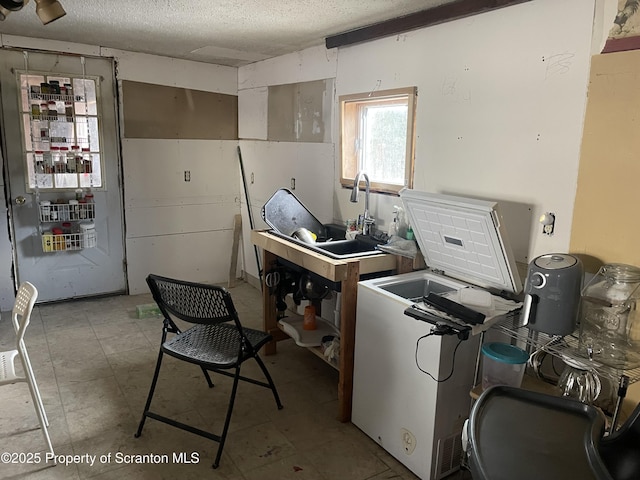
<point x="350" y="133"/>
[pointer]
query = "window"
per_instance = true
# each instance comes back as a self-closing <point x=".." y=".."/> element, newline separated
<point x="377" y="137"/>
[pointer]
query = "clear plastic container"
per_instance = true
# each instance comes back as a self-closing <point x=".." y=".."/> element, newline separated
<point x="88" y="234"/>
<point x="609" y="330"/>
<point x="502" y="364"/>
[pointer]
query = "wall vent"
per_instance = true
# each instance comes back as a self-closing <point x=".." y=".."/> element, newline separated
<point x="449" y="455"/>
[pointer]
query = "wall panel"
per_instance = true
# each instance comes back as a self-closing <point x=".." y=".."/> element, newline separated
<point x="159" y="111"/>
<point x="605" y="216"/>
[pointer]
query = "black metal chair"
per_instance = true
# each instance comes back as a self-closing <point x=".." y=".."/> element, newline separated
<point x="519" y="434"/>
<point x="217" y="342"/>
<point x="620" y="451"/>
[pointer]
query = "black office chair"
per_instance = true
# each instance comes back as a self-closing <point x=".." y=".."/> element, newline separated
<point x="217" y="342"/>
<point x="620" y="451"/>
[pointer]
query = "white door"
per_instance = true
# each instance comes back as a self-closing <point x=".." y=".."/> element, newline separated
<point x="60" y="146"/>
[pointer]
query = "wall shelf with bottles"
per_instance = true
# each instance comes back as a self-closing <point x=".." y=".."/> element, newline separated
<point x="62" y="212"/>
<point x="68" y="225"/>
<point x="61" y="127"/>
<point x="62" y="151"/>
<point x="58" y="242"/>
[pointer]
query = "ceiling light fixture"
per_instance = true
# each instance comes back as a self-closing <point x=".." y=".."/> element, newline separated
<point x="12" y="5"/>
<point x="8" y="6"/>
<point x="47" y="10"/>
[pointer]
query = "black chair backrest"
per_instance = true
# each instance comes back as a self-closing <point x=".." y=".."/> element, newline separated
<point x="192" y="302"/>
<point x="620" y="451"/>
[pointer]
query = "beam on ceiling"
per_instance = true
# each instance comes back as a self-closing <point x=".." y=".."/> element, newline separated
<point x="432" y="16"/>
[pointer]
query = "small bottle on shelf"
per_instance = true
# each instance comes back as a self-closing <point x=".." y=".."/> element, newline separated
<point x="55" y="158"/>
<point x="47" y="241"/>
<point x="44" y="134"/>
<point x="39" y="158"/>
<point x="55" y="87"/>
<point x="76" y="235"/>
<point x="82" y="209"/>
<point x="74" y="209"/>
<point x="89" y="206"/>
<point x="71" y="161"/>
<point x="86" y="160"/>
<point x="66" y="231"/>
<point x="77" y="160"/>
<point x="54" y="213"/>
<point x="45" y="210"/>
<point x="48" y="164"/>
<point x="64" y="153"/>
<point x="59" y="242"/>
<point x="88" y="230"/>
<point x="52" y="110"/>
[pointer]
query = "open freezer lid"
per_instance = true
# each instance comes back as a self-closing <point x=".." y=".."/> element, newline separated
<point x="463" y="237"/>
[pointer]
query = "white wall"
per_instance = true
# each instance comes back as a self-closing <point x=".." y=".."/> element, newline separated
<point x="173" y="227"/>
<point x="275" y="163"/>
<point x="501" y="101"/>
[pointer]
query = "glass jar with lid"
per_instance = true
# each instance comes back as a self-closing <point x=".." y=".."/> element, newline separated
<point x="608" y="326"/>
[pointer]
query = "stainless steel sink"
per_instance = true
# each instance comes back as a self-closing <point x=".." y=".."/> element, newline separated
<point x="361" y="246"/>
<point x="357" y="247"/>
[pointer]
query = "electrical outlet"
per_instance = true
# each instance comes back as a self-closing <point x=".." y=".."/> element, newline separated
<point x="187" y="175"/>
<point x="293" y="183"/>
<point x="252" y="178"/>
<point x="408" y="441"/>
<point x="548" y="222"/>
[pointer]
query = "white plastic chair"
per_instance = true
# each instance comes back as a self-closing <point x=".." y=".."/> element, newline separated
<point x="21" y="316"/>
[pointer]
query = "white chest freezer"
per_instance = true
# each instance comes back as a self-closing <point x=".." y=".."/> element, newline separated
<point x="411" y="388"/>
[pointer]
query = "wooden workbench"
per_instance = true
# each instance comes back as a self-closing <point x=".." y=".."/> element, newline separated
<point x="348" y="273"/>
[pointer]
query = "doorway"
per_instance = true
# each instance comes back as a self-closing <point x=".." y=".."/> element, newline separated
<point x="62" y="169"/>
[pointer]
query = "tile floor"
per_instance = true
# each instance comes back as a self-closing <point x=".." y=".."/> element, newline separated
<point x="94" y="361"/>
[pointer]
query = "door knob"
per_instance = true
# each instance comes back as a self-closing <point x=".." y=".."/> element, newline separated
<point x="20" y="200"/>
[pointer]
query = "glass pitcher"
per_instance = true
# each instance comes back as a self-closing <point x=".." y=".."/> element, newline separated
<point x="609" y="332"/>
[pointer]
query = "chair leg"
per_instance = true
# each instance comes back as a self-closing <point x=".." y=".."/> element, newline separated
<point x="150" y="396"/>
<point x="26" y="365"/>
<point x="37" y="404"/>
<point x="227" y="420"/>
<point x="270" y="380"/>
<point x="207" y="377"/>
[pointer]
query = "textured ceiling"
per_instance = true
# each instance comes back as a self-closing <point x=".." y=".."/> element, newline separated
<point x="225" y="32"/>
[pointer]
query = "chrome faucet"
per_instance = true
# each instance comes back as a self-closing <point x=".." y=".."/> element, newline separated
<point x="367" y="221"/>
